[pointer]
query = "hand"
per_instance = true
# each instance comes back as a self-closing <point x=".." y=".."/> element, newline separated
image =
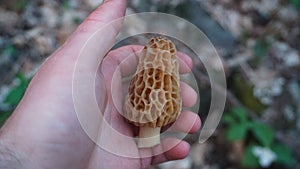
<point x="44" y="132"/>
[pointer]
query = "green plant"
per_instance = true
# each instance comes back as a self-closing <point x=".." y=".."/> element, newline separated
<point x="256" y="135"/>
<point x="14" y="96"/>
<point x="9" y="50"/>
<point x="260" y="49"/>
<point x="296" y="3"/>
<point x="20" y="5"/>
<point x="17" y="92"/>
<point x="77" y="20"/>
<point x="243" y="90"/>
<point x="3" y="117"/>
<point x="66" y="4"/>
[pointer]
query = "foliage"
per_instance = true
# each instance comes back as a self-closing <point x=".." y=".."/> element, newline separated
<point x="237" y="125"/>
<point x="17" y="92"/>
<point x="14" y="5"/>
<point x="241" y="127"/>
<point x="249" y="160"/>
<point x="77" y="20"/>
<point x="9" y="50"/>
<point x="3" y="117"/>
<point x="66" y="4"/>
<point x="244" y="92"/>
<point x="263" y="133"/>
<point x="285" y="156"/>
<point x="20" y="5"/>
<point x="260" y="49"/>
<point x="14" y="96"/>
<point x="296" y="3"/>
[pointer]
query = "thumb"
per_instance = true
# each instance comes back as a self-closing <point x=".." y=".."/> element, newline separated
<point x="55" y="74"/>
<point x="87" y="47"/>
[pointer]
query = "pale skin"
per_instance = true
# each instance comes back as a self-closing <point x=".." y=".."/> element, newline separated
<point x="44" y="132"/>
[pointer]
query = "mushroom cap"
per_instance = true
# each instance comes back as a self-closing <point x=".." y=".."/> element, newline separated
<point x="153" y="99"/>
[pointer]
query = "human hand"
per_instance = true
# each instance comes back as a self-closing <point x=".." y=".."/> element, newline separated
<point x="44" y="131"/>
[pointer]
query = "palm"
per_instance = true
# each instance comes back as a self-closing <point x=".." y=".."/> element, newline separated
<point x="55" y="132"/>
<point x="120" y="63"/>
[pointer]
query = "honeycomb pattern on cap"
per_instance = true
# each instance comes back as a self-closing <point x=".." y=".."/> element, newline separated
<point x="153" y="98"/>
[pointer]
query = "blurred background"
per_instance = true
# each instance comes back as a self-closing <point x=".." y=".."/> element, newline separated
<point x="258" y="41"/>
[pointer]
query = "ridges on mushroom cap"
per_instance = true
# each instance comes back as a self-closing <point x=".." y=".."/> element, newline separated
<point x="153" y="98"/>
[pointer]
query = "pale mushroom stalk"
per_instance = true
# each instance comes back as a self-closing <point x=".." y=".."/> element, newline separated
<point x="153" y="99"/>
<point x="148" y="136"/>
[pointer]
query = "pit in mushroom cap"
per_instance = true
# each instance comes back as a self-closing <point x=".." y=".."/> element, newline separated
<point x="153" y="99"/>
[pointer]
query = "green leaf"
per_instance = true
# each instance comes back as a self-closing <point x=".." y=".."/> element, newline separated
<point x="3" y="117"/>
<point x="228" y="119"/>
<point x="15" y="95"/>
<point x="263" y="133"/>
<point x="236" y="132"/>
<point x="260" y="49"/>
<point x="296" y="3"/>
<point x="21" y="5"/>
<point x="10" y="50"/>
<point x="249" y="160"/>
<point x="244" y="92"/>
<point x="240" y="114"/>
<point x="66" y="4"/>
<point x="17" y="92"/>
<point x="284" y="154"/>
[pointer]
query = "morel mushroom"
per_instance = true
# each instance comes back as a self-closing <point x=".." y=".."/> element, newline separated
<point x="153" y="99"/>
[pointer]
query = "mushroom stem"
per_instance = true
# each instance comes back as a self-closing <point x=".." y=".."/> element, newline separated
<point x="148" y="137"/>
